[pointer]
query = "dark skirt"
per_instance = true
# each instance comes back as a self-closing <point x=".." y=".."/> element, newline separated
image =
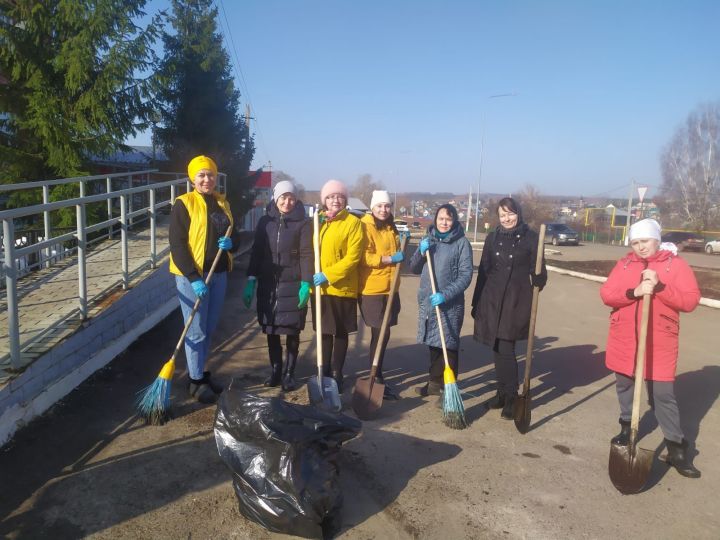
<point x="372" y="308"/>
<point x="339" y="314"/>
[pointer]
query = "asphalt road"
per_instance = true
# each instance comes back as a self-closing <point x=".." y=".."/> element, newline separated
<point x="88" y="468"/>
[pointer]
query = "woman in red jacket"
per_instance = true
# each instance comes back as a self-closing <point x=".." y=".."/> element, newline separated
<point x="651" y="268"/>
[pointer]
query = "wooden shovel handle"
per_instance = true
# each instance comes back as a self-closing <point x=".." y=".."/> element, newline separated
<point x="388" y="308"/>
<point x="318" y="308"/>
<point x="533" y="309"/>
<point x="431" y="274"/>
<point x="640" y="368"/>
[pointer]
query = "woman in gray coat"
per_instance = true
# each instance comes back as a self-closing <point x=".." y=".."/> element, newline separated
<point x="453" y="267"/>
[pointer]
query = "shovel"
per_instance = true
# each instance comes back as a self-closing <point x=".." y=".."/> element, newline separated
<point x="322" y="391"/>
<point x="368" y="393"/>
<point x="521" y="408"/>
<point x="629" y="465"/>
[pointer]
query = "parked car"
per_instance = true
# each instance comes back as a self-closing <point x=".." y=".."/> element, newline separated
<point x="401" y="226"/>
<point x="713" y="246"/>
<point x="559" y="233"/>
<point x="685" y="240"/>
<point x="416" y="225"/>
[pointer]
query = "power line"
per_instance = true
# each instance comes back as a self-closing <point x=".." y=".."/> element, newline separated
<point x="241" y="80"/>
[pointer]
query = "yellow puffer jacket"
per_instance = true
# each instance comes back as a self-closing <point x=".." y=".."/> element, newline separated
<point x="375" y="276"/>
<point x="341" y="246"/>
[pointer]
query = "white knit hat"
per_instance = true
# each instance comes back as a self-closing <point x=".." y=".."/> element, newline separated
<point x="379" y="196"/>
<point x="283" y="187"/>
<point x="645" y="228"/>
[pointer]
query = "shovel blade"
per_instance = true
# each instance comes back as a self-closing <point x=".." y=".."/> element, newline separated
<point x="367" y="398"/>
<point x="328" y="398"/>
<point x="629" y="470"/>
<point x="522" y="413"/>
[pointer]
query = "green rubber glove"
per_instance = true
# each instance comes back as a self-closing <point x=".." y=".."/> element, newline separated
<point x="303" y="294"/>
<point x="249" y="292"/>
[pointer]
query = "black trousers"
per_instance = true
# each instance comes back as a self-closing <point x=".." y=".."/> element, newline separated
<point x="506" y="369"/>
<point x="437" y="364"/>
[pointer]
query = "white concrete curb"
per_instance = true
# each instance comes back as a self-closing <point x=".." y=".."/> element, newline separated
<point x="709" y="302"/>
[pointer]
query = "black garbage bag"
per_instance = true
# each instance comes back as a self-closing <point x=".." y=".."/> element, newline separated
<point x="283" y="459"/>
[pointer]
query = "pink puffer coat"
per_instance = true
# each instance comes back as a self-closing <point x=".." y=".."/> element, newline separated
<point x="678" y="291"/>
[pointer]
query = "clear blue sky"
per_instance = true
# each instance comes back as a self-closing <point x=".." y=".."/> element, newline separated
<point x="401" y="89"/>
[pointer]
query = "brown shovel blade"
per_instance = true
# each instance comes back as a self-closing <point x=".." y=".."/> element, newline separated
<point x="522" y="412"/>
<point x="629" y="472"/>
<point x="367" y="397"/>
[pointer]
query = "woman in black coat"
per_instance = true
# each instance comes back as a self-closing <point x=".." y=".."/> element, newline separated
<point x="281" y="266"/>
<point x="503" y="296"/>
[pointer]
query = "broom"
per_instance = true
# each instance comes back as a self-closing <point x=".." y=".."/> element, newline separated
<point x="453" y="409"/>
<point x="153" y="405"/>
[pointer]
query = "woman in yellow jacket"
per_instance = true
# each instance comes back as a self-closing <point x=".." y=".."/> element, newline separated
<point x="380" y="259"/>
<point x="341" y="245"/>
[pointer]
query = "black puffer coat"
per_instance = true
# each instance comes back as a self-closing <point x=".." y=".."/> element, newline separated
<point x="281" y="257"/>
<point x="503" y="292"/>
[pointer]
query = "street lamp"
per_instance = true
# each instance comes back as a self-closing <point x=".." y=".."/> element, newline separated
<point x="482" y="145"/>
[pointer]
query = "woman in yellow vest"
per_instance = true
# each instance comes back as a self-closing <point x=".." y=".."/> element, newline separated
<point x="380" y="259"/>
<point x="341" y="246"/>
<point x="198" y="222"/>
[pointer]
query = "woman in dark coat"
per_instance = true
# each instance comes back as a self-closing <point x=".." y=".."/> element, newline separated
<point x="281" y="265"/>
<point x="503" y="296"/>
<point x="452" y="262"/>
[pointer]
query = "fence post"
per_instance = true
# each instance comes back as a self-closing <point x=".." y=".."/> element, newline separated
<point x="82" y="253"/>
<point x="130" y="199"/>
<point x="173" y="193"/>
<point x="153" y="224"/>
<point x="11" y="292"/>
<point x="123" y="241"/>
<point x="46" y="223"/>
<point x="108" y="189"/>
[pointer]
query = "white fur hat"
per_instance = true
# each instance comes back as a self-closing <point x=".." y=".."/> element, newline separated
<point x="645" y="228"/>
<point x="379" y="196"/>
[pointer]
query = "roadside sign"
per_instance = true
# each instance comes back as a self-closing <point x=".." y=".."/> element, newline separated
<point x="641" y="192"/>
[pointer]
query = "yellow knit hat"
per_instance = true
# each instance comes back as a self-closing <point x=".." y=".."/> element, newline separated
<point x="198" y="163"/>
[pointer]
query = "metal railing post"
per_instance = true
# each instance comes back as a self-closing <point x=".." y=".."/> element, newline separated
<point x="173" y="193"/>
<point x="11" y="292"/>
<point x="82" y="253"/>
<point x="108" y="189"/>
<point x="46" y="223"/>
<point x="153" y="224"/>
<point x="124" y="242"/>
<point x="130" y="199"/>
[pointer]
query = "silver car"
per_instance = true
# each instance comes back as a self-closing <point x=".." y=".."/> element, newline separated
<point x="713" y="246"/>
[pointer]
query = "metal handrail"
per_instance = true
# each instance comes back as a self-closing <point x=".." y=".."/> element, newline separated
<point x="13" y="254"/>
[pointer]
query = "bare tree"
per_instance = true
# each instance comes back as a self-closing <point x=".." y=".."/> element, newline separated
<point x="691" y="168"/>
<point x="535" y="209"/>
<point x="364" y="186"/>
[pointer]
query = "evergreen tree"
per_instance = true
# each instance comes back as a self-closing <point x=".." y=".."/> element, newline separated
<point x="199" y="101"/>
<point x="69" y="84"/>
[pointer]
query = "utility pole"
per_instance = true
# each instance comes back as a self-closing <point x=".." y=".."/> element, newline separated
<point x="629" y="209"/>
<point x="477" y="195"/>
<point x="469" y="215"/>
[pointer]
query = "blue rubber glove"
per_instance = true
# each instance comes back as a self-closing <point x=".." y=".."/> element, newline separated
<point x="397" y="257"/>
<point x="225" y="243"/>
<point x="424" y="246"/>
<point x="319" y="279"/>
<point x="199" y="288"/>
<point x="249" y="292"/>
<point x="303" y="294"/>
<point x="437" y="299"/>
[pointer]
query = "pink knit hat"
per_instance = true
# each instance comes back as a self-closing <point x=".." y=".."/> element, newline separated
<point x="333" y="186"/>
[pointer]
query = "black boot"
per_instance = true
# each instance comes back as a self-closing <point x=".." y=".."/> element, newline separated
<point x="678" y="458"/>
<point x="507" y="410"/>
<point x="276" y="365"/>
<point x="217" y="388"/>
<point x="201" y="391"/>
<point x="432" y="388"/>
<point x="622" y="438"/>
<point x="338" y="376"/>
<point x="288" y="381"/>
<point x="497" y="401"/>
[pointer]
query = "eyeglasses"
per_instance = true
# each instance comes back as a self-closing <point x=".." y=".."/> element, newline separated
<point x="336" y="197"/>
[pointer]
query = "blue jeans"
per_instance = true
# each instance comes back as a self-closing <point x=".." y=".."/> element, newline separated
<point x="197" y="339"/>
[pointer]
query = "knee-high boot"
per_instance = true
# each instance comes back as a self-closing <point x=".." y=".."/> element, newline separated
<point x="291" y="353"/>
<point x="275" y="350"/>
